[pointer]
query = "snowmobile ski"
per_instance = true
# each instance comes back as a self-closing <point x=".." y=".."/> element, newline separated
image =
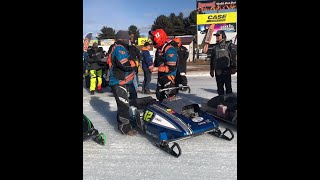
<point x="217" y="132"/>
<point x="164" y="145"/>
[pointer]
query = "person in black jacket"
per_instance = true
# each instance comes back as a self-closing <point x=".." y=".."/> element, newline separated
<point x="94" y="59"/>
<point x="223" y="62"/>
<point x="183" y="55"/>
<point x="134" y="55"/>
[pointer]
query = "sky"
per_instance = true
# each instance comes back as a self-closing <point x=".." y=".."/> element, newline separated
<point x="120" y="14"/>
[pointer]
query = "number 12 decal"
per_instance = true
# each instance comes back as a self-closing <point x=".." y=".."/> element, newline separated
<point x="147" y="115"/>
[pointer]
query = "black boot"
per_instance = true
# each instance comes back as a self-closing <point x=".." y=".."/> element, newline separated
<point x="127" y="129"/>
<point x="92" y="92"/>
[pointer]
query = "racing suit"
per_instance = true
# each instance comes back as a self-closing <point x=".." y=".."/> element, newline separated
<point x="166" y="59"/>
<point x="122" y="71"/>
<point x="94" y="59"/>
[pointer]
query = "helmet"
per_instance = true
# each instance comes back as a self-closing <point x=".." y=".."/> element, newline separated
<point x="158" y="37"/>
<point x="177" y="40"/>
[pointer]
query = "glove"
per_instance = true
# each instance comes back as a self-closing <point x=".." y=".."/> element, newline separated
<point x="150" y="68"/>
<point x="132" y="63"/>
<point x="211" y="73"/>
<point x="135" y="69"/>
<point x="154" y="69"/>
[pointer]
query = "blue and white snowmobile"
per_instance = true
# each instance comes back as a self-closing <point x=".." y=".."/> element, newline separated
<point x="173" y="119"/>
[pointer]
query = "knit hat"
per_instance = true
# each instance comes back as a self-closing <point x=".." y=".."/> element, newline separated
<point x="122" y="35"/>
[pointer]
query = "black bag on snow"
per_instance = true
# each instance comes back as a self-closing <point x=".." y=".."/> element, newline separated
<point x="229" y="100"/>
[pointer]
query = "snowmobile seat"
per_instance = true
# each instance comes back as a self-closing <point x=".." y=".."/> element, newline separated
<point x="142" y="103"/>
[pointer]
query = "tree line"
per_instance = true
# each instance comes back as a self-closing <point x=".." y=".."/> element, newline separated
<point x="174" y="25"/>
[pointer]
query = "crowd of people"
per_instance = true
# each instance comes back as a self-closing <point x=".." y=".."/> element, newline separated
<point x="123" y="58"/>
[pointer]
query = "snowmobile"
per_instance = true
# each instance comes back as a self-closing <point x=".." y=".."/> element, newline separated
<point x="223" y="108"/>
<point x="89" y="132"/>
<point x="173" y="119"/>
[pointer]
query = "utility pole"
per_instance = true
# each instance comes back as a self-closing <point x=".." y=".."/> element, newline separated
<point x="197" y="32"/>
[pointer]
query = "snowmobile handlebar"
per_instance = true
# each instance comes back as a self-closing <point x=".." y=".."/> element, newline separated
<point x="173" y="88"/>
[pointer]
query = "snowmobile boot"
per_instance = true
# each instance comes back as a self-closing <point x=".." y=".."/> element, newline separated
<point x="92" y="92"/>
<point x="101" y="139"/>
<point x="127" y="129"/>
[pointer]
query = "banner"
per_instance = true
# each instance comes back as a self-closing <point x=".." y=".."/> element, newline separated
<point x="218" y="5"/>
<point x="227" y="27"/>
<point x="93" y="41"/>
<point x="141" y="41"/>
<point x="205" y="5"/>
<point x="217" y="18"/>
<point x="106" y="42"/>
<point x="214" y="15"/>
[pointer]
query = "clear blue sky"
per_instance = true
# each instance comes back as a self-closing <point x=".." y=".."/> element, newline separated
<point x="120" y="14"/>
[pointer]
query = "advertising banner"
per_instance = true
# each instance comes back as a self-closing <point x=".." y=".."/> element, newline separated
<point x="141" y="41"/>
<point x="227" y="27"/>
<point x="203" y="6"/>
<point x="217" y="18"/>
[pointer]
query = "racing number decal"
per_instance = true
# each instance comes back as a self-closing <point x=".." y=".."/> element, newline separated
<point x="157" y="35"/>
<point x="147" y="115"/>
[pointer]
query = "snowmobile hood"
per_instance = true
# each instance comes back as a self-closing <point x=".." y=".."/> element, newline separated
<point x="171" y="120"/>
<point x="165" y="118"/>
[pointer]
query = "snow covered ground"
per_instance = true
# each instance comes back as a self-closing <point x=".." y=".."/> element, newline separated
<point x="126" y="157"/>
